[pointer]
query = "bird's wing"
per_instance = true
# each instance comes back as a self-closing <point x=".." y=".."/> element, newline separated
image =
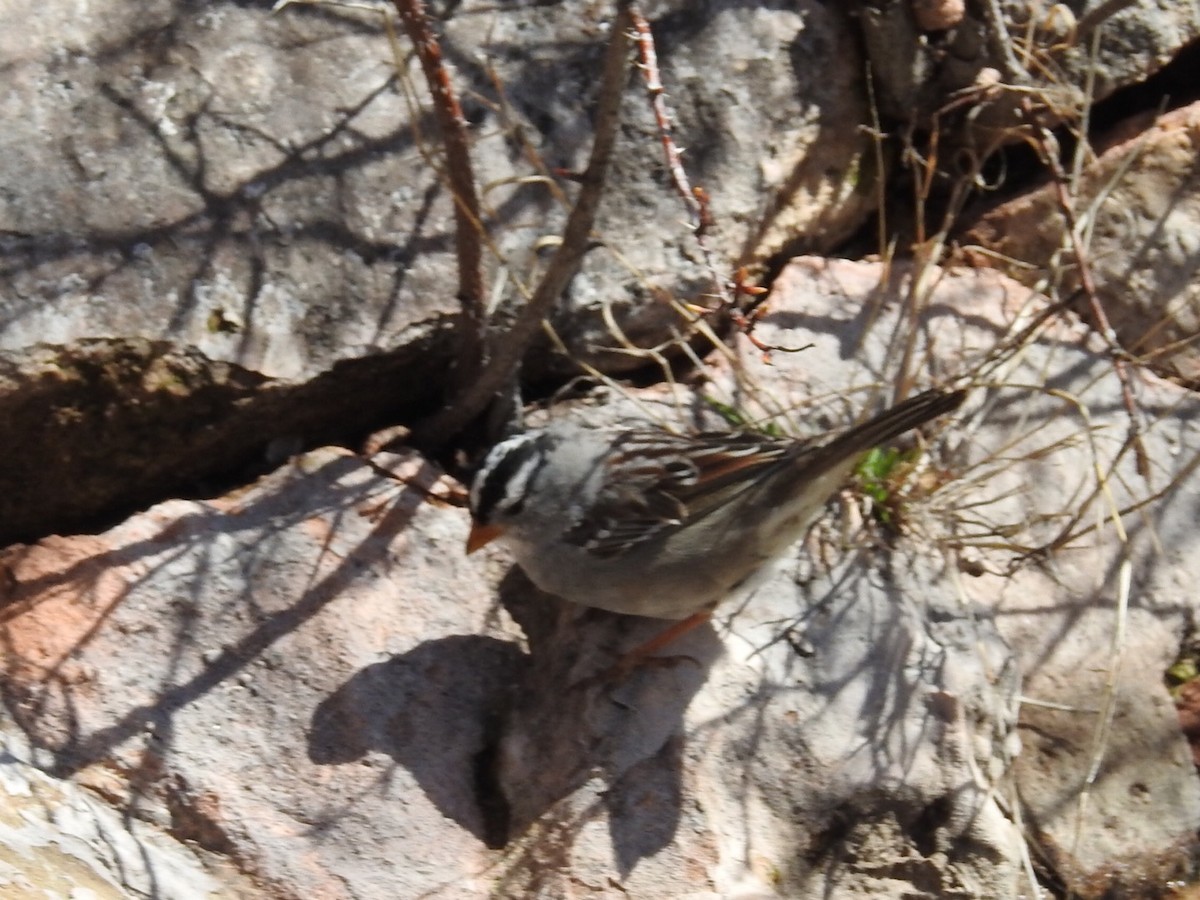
<point x="655" y="482"/>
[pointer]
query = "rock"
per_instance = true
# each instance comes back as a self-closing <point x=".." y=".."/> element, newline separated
<point x="255" y="185"/>
<point x="1143" y="197"/>
<point x="928" y="56"/>
<point x="182" y="175"/>
<point x="308" y="678"/>
<point x="297" y="678"/>
<point x="1026" y="498"/>
<point x="60" y="840"/>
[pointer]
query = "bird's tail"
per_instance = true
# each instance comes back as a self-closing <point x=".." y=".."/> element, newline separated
<point x="891" y="423"/>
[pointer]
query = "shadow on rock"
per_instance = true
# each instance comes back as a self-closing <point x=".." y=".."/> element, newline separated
<point x="434" y="710"/>
<point x="502" y="742"/>
<point x="571" y="722"/>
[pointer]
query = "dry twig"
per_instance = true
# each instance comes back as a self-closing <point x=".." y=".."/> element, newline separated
<point x="467" y="227"/>
<point x="742" y="313"/>
<point x="504" y="356"/>
<point x="1047" y="146"/>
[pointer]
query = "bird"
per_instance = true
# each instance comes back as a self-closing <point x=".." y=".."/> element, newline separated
<point x="645" y="522"/>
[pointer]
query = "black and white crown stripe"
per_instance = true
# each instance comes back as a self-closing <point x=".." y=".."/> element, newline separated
<point x="507" y="475"/>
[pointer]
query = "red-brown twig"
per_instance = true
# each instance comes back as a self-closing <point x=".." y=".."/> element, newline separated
<point x="745" y="313"/>
<point x="1047" y="146"/>
<point x="468" y="241"/>
<point x="744" y="316"/>
<point x="648" y="65"/>
<point x="695" y="199"/>
<point x="505" y="355"/>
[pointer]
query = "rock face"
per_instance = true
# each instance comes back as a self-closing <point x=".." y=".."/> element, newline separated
<point x="309" y="679"/>
<point x="227" y="255"/>
<point x="258" y="187"/>
<point x="1142" y="197"/>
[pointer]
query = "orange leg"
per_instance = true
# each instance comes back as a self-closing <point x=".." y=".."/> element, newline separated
<point x="642" y="652"/>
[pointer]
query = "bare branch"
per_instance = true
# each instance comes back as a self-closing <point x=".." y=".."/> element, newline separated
<point x="648" y="64"/>
<point x="1047" y="147"/>
<point x="694" y="198"/>
<point x="506" y="354"/>
<point x="468" y="240"/>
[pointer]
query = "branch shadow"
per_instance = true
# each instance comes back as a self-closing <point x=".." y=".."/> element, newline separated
<point x="42" y="691"/>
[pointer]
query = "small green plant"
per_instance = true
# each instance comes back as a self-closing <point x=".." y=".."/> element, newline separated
<point x="1184" y="670"/>
<point x="739" y="421"/>
<point x="880" y="474"/>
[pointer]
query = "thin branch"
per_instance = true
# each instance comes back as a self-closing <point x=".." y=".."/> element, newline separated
<point x="743" y="313"/>
<point x="468" y="241"/>
<point x="1000" y="42"/>
<point x="498" y="369"/>
<point x="648" y="65"/>
<point x="1047" y="146"/>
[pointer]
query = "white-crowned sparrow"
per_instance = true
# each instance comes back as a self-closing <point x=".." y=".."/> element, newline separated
<point x="650" y="523"/>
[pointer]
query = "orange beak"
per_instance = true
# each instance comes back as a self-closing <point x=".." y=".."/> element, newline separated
<point x="481" y="535"/>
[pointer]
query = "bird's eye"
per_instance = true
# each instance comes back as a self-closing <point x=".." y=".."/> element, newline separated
<point x="514" y="508"/>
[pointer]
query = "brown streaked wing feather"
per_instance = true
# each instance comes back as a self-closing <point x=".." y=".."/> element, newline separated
<point x="657" y="481"/>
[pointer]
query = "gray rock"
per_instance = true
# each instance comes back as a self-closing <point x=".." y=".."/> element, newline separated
<point x="256" y="186"/>
<point x="308" y="678"/>
<point x="1142" y="200"/>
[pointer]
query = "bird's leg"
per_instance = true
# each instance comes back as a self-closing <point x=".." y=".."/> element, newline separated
<point x="643" y="653"/>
